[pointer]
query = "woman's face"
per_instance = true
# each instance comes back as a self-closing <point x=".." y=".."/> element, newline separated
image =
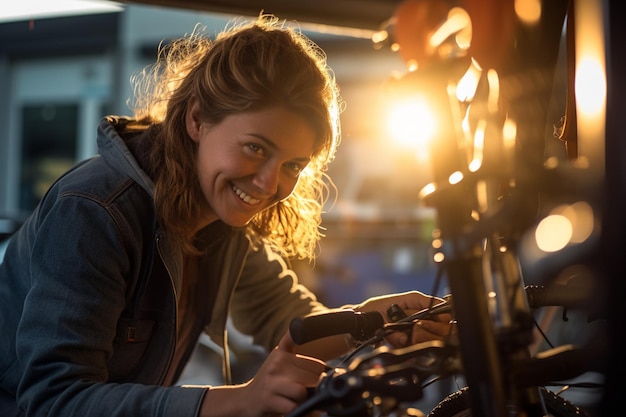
<point x="249" y="161"/>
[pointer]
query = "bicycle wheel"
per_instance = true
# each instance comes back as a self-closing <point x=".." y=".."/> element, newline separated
<point x="457" y="404"/>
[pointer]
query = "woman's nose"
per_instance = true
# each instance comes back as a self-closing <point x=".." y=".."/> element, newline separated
<point x="266" y="179"/>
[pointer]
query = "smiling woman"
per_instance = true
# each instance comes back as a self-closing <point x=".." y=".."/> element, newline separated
<point x="232" y="77"/>
<point x="184" y="220"/>
<point x="249" y="162"/>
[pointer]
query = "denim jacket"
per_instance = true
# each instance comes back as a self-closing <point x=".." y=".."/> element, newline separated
<point x="89" y="291"/>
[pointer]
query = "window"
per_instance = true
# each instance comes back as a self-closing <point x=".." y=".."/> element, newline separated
<point x="49" y="137"/>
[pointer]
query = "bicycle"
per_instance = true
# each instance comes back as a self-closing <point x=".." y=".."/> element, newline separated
<point x="380" y="381"/>
<point x="492" y="200"/>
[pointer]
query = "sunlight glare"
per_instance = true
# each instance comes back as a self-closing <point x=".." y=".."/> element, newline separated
<point x="590" y="86"/>
<point x="590" y="83"/>
<point x="412" y="124"/>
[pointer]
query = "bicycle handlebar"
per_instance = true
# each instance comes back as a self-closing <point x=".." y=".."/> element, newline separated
<point x="366" y="325"/>
<point x="574" y="294"/>
<point x="361" y="325"/>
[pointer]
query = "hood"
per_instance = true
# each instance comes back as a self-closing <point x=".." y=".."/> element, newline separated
<point x="124" y="145"/>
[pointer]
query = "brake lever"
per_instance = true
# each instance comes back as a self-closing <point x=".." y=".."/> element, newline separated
<point x="429" y="357"/>
<point x="384" y="373"/>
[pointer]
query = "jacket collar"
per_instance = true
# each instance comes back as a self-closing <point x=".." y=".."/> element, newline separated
<point x="114" y="137"/>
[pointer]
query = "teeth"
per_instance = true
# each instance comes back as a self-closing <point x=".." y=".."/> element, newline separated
<point x="245" y="197"/>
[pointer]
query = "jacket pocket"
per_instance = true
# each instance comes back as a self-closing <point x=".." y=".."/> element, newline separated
<point x="129" y="346"/>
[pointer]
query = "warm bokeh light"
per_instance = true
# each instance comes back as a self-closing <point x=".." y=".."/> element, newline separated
<point x="459" y="24"/>
<point x="528" y="11"/>
<point x="474" y="165"/>
<point x="493" y="100"/>
<point x="456" y="177"/>
<point x="566" y="224"/>
<point x="509" y="133"/>
<point x="482" y="196"/>
<point x="380" y="36"/>
<point x="581" y="216"/>
<point x="478" y="146"/>
<point x="466" y="88"/>
<point x="509" y="138"/>
<point x="427" y="190"/>
<point x="553" y="233"/>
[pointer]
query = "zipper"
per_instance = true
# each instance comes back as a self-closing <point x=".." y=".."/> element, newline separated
<point x="172" y="348"/>
<point x="131" y="330"/>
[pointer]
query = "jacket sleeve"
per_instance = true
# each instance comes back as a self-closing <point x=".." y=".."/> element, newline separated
<point x="80" y="260"/>
<point x="268" y="296"/>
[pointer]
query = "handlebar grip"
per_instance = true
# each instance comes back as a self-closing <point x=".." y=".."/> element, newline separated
<point x="557" y="295"/>
<point x="361" y="325"/>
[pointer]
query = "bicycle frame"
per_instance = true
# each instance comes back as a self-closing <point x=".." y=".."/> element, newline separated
<point x="484" y="216"/>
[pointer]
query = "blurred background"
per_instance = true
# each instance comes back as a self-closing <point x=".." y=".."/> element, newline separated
<point x="63" y="69"/>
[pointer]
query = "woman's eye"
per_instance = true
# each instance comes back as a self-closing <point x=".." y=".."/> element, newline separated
<point x="295" y="168"/>
<point x="255" y="148"/>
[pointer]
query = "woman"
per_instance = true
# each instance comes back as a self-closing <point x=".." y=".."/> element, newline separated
<point x="183" y="218"/>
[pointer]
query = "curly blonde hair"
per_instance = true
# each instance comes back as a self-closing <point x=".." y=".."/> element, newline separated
<point x="247" y="67"/>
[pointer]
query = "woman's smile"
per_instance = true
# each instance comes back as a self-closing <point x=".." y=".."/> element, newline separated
<point x="246" y="197"/>
<point x="249" y="161"/>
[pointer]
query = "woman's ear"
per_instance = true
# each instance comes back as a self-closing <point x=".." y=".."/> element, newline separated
<point x="192" y="119"/>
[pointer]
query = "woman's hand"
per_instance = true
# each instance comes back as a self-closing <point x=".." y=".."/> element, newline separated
<point x="411" y="302"/>
<point x="277" y="388"/>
